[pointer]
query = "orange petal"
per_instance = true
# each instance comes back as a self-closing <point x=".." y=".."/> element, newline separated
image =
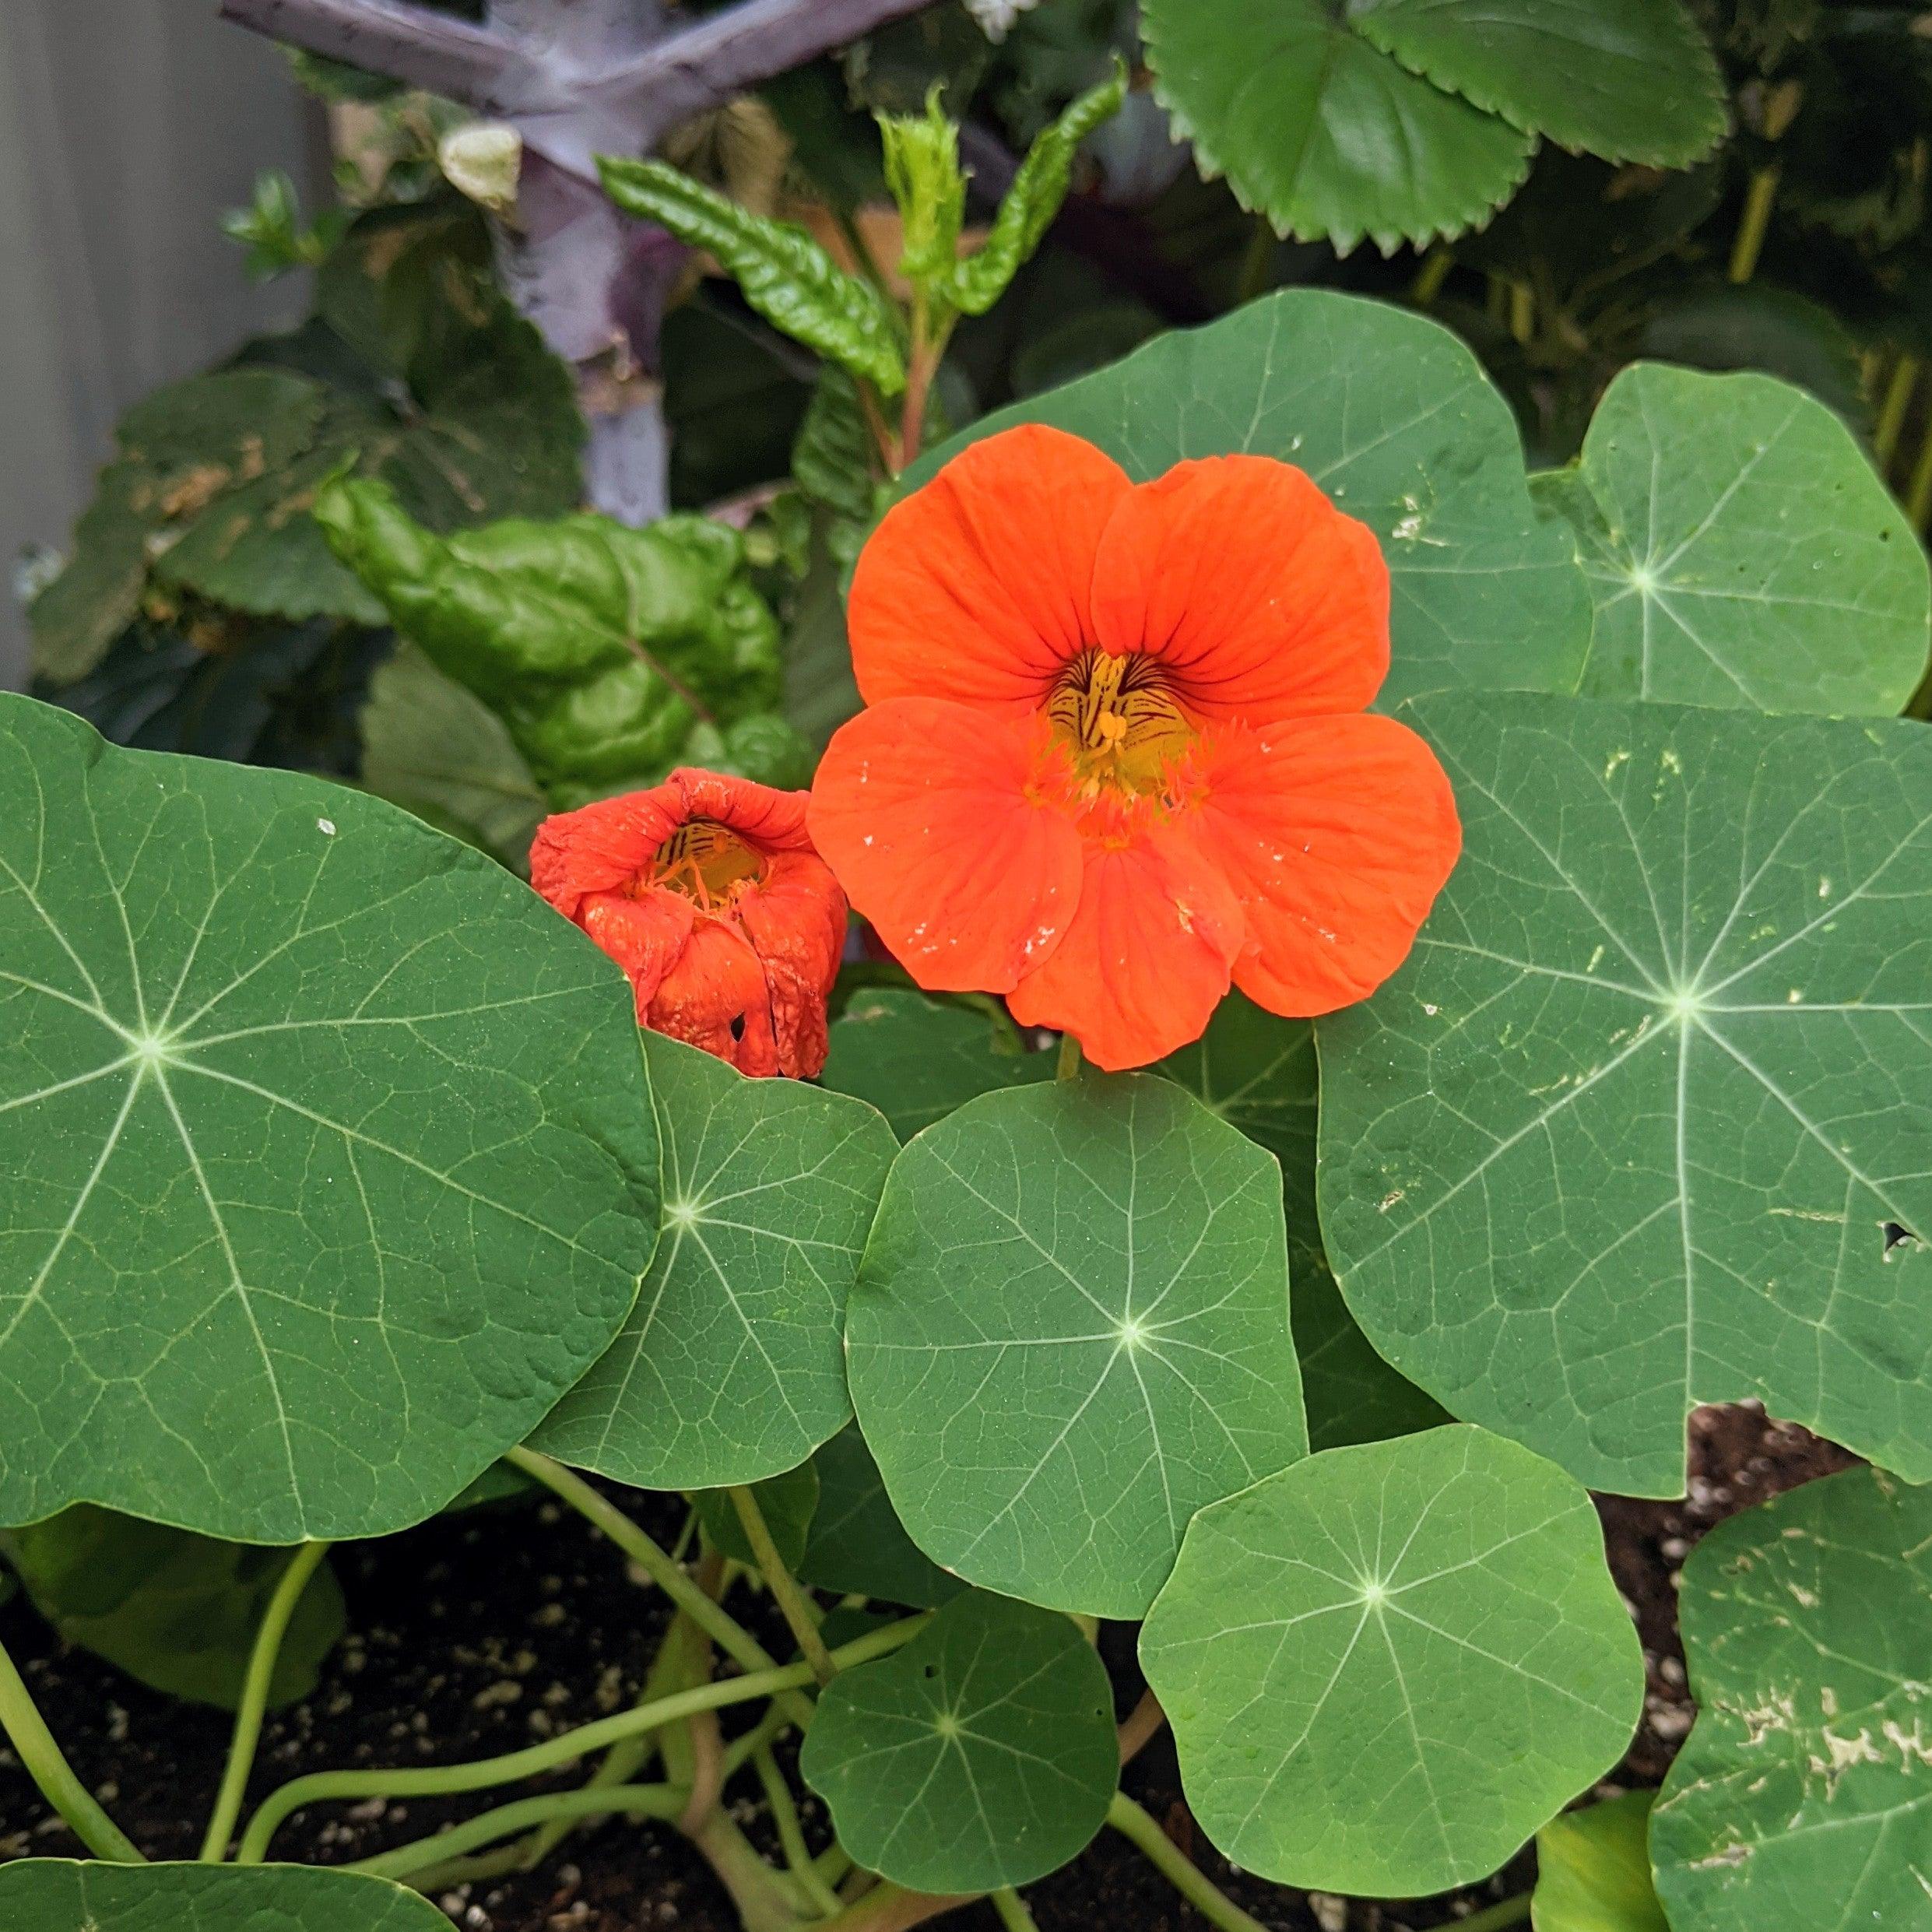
<point x="796" y="918"/>
<point x="1146" y="960"/>
<point x="1336" y="834"/>
<point x="926" y="812"/>
<point x="644" y="936"/>
<point x="772" y="820"/>
<point x="715" y="997"/>
<point x="977" y="586"/>
<point x="1261" y="597"/>
<point x="601" y="847"/>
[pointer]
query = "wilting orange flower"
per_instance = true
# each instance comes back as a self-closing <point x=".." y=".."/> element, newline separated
<point x="706" y="891"/>
<point x="1116" y="753"/>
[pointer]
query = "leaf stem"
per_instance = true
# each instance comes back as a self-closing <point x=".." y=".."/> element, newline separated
<point x="1177" y="1868"/>
<point x="1069" y="1064"/>
<point x="1757" y="218"/>
<point x="784" y="1821"/>
<point x="1511" y="1911"/>
<point x="47" y="1766"/>
<point x="254" y="1699"/>
<point x="1919" y="492"/>
<point x="1257" y="262"/>
<point x="1892" y="410"/>
<point x="1012" y="1908"/>
<point x="424" y="1855"/>
<point x="790" y="1599"/>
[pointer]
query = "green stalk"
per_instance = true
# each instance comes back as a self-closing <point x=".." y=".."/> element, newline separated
<point x="1757" y="218"/>
<point x="1892" y="410"/>
<point x="790" y="1599"/>
<point x="1919" y="493"/>
<point x="1013" y="1914"/>
<point x="47" y="1766"/>
<point x="784" y="1821"/>
<point x="1069" y="1065"/>
<point x="1511" y="1911"/>
<point x="1431" y="276"/>
<point x="1256" y="262"/>
<point x="254" y="1699"/>
<point x="425" y="1855"/>
<point x="1177" y="1869"/>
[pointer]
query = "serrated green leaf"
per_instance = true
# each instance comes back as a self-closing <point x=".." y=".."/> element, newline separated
<point x="352" y="1118"/>
<point x="1391" y="414"/>
<point x="177" y="1611"/>
<point x="916" y="1057"/>
<point x="1741" y="550"/>
<point x="432" y="747"/>
<point x="1027" y="210"/>
<point x="1593" y="1870"/>
<point x="858" y="1544"/>
<point x="611" y="654"/>
<point x="731" y="1367"/>
<point x="56" y="1895"/>
<point x="1071" y="1332"/>
<point x="1629" y="1131"/>
<point x="983" y="1754"/>
<point x="782" y="272"/>
<point x="921" y="153"/>
<point x="787" y="1502"/>
<point x="1386" y="1666"/>
<point x="832" y="458"/>
<point x="1631" y="81"/>
<point x="1321" y="131"/>
<point x="1802" y="1796"/>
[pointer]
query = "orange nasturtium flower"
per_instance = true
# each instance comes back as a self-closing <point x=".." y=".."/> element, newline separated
<point x="1115" y="752"/>
<point x="706" y="891"/>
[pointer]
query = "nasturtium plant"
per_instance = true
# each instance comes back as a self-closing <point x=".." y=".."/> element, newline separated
<point x="787" y="1502"/>
<point x="56" y="1895"/>
<point x="1638" y="1126"/>
<point x="1070" y="1332"/>
<point x="1387" y="1665"/>
<point x="356" y="1122"/>
<point x="1392" y="416"/>
<point x="856" y="1543"/>
<point x="1593" y="1870"/>
<point x="731" y="1367"/>
<point x="982" y="1754"/>
<point x="1806" y="1784"/>
<point x="1740" y="550"/>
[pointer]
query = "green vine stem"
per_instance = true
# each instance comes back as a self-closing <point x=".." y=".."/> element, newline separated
<point x="1919" y="494"/>
<point x="47" y="1766"/>
<point x="448" y="1780"/>
<point x="784" y="1821"/>
<point x="1892" y="409"/>
<point x="254" y="1699"/>
<point x="1757" y="218"/>
<point x="1177" y="1869"/>
<point x="1068" y="1067"/>
<point x="1013" y="1914"/>
<point x="1512" y="1911"/>
<point x="417" y="1861"/>
<point x="790" y="1599"/>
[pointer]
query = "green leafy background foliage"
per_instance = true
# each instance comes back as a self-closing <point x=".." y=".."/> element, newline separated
<point x="1640" y="1125"/>
<point x="857" y="1542"/>
<point x="1593" y="1870"/>
<point x="353" y="1121"/>
<point x="52" y="1895"/>
<point x="1386" y="1666"/>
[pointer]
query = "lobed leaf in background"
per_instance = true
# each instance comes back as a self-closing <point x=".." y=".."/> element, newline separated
<point x="1805" y="1781"/>
<point x="353" y="1121"/>
<point x="612" y="656"/>
<point x="1387" y="1665"/>
<point x="50" y="1894"/>
<point x="1639" y="1124"/>
<point x="1740" y="550"/>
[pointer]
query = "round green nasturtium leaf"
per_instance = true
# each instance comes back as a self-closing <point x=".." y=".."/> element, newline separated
<point x="59" y="1894"/>
<point x="1393" y="417"/>
<point x="1633" y="81"/>
<point x="1641" y="1124"/>
<point x="1071" y="1331"/>
<point x="177" y="1611"/>
<point x="858" y="1545"/>
<point x="1319" y="129"/>
<point x="1741" y="550"/>
<point x="732" y="1366"/>
<point x="1257" y="1071"/>
<point x="1802" y="1796"/>
<point x="786" y="1503"/>
<point x="983" y="1754"/>
<point x="1386" y="1666"/>
<point x="915" y="1058"/>
<point x="1593" y="1870"/>
<point x="330" y="1162"/>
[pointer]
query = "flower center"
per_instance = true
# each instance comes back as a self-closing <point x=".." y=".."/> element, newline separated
<point x="706" y="862"/>
<point x="1119" y="721"/>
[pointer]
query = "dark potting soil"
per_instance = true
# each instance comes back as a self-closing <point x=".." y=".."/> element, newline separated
<point x="480" y="1634"/>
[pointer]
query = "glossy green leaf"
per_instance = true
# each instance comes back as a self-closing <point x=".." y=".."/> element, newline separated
<point x="437" y="750"/>
<point x="832" y="456"/>
<point x="1394" y="418"/>
<point x="178" y="1612"/>
<point x="1028" y="207"/>
<point x="611" y="654"/>
<point x="54" y="1895"/>
<point x="1256" y="1071"/>
<point x="787" y="1502"/>
<point x="1633" y="81"/>
<point x="982" y="1753"/>
<point x="1071" y="1331"/>
<point x="858" y="1545"/>
<point x="1741" y="550"/>
<point x="731" y="1367"/>
<point x="1321" y="131"/>
<point x="352" y="1121"/>
<point x="1802" y="1796"/>
<point x="783" y="273"/>
<point x="916" y="1057"/>
<point x="1593" y="1870"/>
<point x="1637" y="1125"/>
<point x="1386" y="1666"/>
